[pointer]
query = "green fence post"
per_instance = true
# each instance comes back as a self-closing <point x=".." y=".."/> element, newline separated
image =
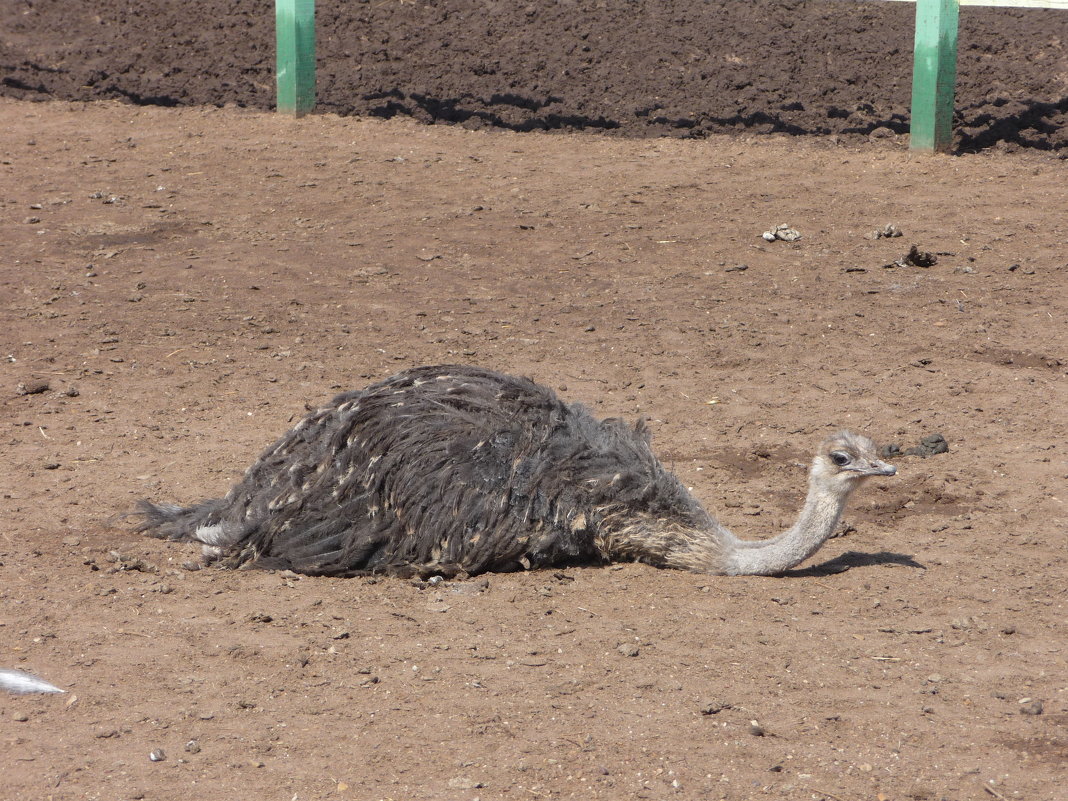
<point x="295" y="37"/>
<point x="934" y="74"/>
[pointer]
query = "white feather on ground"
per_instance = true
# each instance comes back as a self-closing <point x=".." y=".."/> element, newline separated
<point x="15" y="681"/>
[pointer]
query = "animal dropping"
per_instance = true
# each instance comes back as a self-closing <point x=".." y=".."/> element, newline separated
<point x="452" y="470"/>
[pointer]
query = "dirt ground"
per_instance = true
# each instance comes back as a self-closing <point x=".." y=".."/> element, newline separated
<point x="681" y="68"/>
<point x="180" y="283"/>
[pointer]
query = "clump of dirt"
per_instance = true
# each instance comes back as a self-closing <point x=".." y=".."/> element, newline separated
<point x="915" y="258"/>
<point x="929" y="445"/>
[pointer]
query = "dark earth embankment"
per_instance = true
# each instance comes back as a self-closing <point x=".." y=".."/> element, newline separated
<point x="682" y="68"/>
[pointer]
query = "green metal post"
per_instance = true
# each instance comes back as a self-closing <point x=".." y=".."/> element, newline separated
<point x="295" y="36"/>
<point x="934" y="75"/>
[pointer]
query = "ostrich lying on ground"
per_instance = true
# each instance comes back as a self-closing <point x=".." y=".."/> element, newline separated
<point x="443" y="470"/>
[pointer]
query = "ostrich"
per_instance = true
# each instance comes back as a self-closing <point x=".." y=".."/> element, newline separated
<point x="455" y="469"/>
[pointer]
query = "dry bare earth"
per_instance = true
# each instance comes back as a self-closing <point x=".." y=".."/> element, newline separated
<point x="184" y="281"/>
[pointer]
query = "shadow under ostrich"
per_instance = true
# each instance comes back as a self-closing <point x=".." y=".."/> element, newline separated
<point x="455" y="469"/>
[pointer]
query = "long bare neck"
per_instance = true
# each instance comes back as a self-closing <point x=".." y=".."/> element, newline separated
<point x="711" y="548"/>
<point x="815" y="525"/>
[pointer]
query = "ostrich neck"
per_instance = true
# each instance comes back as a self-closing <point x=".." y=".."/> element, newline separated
<point x="814" y="526"/>
<point x="703" y="545"/>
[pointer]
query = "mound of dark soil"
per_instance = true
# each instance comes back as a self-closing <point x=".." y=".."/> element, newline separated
<point x="640" y="68"/>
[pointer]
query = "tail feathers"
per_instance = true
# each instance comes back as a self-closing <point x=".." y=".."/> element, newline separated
<point x="15" y="681"/>
<point x="169" y="522"/>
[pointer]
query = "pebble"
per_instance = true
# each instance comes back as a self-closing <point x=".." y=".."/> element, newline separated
<point x="157" y="755"/>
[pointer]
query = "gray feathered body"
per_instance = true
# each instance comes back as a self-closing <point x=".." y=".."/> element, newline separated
<point x="443" y="470"/>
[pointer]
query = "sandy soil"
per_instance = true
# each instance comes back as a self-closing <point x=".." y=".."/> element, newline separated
<point x="180" y="283"/>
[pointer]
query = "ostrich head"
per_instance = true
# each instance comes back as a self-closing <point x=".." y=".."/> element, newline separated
<point x="845" y="460"/>
<point x="841" y="464"/>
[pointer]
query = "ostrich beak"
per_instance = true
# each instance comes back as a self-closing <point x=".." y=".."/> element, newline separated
<point x="879" y="468"/>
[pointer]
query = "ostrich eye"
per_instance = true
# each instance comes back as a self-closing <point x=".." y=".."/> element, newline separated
<point x="840" y="459"/>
